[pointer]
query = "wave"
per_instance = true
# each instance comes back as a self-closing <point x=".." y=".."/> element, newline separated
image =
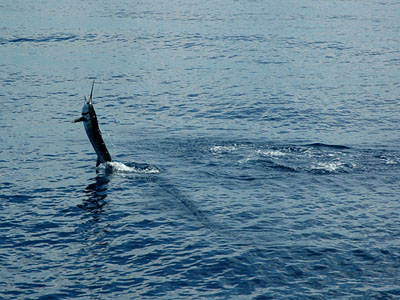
<point x="271" y="153"/>
<point x="322" y="145"/>
<point x="332" y="167"/>
<point x="265" y="163"/>
<point x="223" y="149"/>
<point x="41" y="39"/>
<point x="316" y="167"/>
<point x="313" y="158"/>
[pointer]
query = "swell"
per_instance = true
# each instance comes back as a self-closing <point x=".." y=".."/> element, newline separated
<point x="322" y="145"/>
<point x="40" y="39"/>
<point x="313" y="158"/>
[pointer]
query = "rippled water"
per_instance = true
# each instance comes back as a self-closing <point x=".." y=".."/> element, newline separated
<point x="255" y="146"/>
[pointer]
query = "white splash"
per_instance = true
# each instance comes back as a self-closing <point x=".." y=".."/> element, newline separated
<point x="120" y="167"/>
<point x="328" y="166"/>
<point x="333" y="166"/>
<point x="388" y="161"/>
<point x="273" y="153"/>
<point x="246" y="159"/>
<point x="222" y="149"/>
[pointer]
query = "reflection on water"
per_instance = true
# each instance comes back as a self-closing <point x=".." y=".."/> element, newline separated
<point x="96" y="193"/>
<point x="94" y="227"/>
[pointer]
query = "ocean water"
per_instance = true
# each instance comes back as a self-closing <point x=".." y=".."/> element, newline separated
<point x="255" y="146"/>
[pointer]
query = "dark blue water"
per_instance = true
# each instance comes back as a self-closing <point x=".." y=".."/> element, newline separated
<point x="256" y="147"/>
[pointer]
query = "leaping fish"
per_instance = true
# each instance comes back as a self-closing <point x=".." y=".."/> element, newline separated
<point x="91" y="125"/>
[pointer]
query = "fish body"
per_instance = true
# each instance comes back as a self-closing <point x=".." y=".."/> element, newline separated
<point x="92" y="129"/>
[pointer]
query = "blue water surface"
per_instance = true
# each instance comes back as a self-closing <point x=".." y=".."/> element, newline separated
<point x="256" y="149"/>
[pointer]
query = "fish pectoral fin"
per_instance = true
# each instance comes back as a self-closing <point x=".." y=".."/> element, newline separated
<point x="98" y="162"/>
<point x="81" y="119"/>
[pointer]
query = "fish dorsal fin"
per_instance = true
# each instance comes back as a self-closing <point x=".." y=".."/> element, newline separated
<point x="91" y="93"/>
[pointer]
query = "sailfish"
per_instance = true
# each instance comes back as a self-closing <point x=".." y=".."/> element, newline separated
<point x="92" y="129"/>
